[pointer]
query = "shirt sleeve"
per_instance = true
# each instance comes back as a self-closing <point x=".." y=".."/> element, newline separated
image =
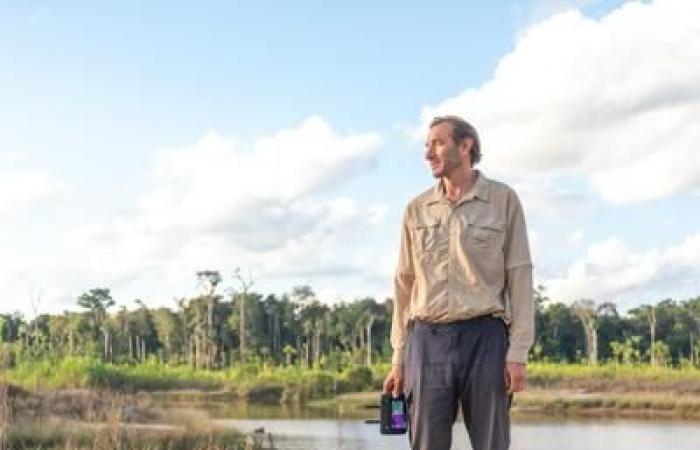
<point x="517" y="247"/>
<point x="519" y="284"/>
<point x="403" y="285"/>
<point x="522" y="312"/>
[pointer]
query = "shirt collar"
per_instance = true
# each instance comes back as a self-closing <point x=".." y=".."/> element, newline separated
<point x="480" y="190"/>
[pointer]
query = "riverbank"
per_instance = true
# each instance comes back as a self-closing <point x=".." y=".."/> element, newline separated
<point x="538" y="403"/>
<point x="555" y="390"/>
<point x="94" y="419"/>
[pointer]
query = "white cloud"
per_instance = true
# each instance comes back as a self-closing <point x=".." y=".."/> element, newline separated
<point x="538" y="10"/>
<point x="216" y="205"/>
<point x="23" y="188"/>
<point x="549" y="198"/>
<point x="611" y="270"/>
<point x="576" y="237"/>
<point x="614" y="99"/>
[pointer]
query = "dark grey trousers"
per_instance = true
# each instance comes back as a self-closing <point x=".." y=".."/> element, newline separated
<point x="457" y="363"/>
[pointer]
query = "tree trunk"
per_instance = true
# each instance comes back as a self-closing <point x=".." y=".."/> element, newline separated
<point x="105" y="345"/>
<point x="651" y="312"/>
<point x="317" y="342"/>
<point x="143" y="350"/>
<point x="369" y="340"/>
<point x="692" y="352"/>
<point x="593" y="357"/>
<point x="241" y="329"/>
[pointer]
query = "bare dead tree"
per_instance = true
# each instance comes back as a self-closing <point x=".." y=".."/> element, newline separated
<point x="209" y="280"/>
<point x="245" y="283"/>
<point x="651" y="319"/>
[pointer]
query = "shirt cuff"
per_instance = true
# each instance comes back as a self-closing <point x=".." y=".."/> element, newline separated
<point x="397" y="357"/>
<point x="517" y="355"/>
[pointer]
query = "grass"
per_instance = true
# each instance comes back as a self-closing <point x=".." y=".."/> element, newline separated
<point x="614" y="378"/>
<point x="557" y="372"/>
<point x="294" y="385"/>
<point x="62" y="435"/>
<point x="42" y="421"/>
<point x="248" y="382"/>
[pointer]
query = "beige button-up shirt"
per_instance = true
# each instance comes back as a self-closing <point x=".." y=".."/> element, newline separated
<point x="463" y="260"/>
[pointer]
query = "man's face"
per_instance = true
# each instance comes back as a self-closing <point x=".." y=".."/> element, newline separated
<point x="442" y="153"/>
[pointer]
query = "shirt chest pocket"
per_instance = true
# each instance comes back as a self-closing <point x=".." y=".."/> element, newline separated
<point x="486" y="236"/>
<point x="429" y="237"/>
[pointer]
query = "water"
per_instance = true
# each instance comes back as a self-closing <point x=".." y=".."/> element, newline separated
<point x="331" y="428"/>
<point x="327" y="434"/>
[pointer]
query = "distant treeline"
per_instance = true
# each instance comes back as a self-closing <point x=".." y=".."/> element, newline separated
<point x="214" y="330"/>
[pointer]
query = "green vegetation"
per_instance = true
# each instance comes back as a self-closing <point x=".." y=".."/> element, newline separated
<point x="292" y="349"/>
<point x="212" y="332"/>
<point x="59" y="436"/>
<point x="550" y="372"/>
<point x="270" y="384"/>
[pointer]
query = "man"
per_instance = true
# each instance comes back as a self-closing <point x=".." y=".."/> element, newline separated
<point x="463" y="314"/>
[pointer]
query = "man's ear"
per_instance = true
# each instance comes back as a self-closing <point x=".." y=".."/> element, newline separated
<point x="465" y="147"/>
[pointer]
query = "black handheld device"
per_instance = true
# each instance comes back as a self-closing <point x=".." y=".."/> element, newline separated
<point x="393" y="414"/>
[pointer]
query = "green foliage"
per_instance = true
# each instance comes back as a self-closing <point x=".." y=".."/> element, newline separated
<point x="626" y="352"/>
<point x="359" y="378"/>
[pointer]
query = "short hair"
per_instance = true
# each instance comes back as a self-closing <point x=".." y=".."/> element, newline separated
<point x="462" y="129"/>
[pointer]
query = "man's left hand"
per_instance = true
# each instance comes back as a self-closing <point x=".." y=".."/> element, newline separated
<point x="516" y="377"/>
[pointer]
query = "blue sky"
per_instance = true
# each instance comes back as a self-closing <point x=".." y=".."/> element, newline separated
<point x="139" y="143"/>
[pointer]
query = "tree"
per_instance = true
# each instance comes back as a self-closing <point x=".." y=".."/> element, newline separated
<point x="244" y="286"/>
<point x="588" y="313"/>
<point x="210" y="279"/>
<point x="168" y="330"/>
<point x="289" y="353"/>
<point x="3" y="323"/>
<point x="585" y="311"/>
<point x="627" y="351"/>
<point x="691" y="317"/>
<point x="97" y="301"/>
<point x="659" y="353"/>
<point x="651" y="318"/>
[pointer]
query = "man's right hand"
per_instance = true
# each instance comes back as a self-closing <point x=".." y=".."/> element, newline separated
<point x="393" y="383"/>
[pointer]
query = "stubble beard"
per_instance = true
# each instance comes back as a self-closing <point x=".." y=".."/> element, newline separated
<point x="450" y="162"/>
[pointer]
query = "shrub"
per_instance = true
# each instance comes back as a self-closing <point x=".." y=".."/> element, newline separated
<point x="359" y="378"/>
<point x="321" y="384"/>
<point x="269" y="393"/>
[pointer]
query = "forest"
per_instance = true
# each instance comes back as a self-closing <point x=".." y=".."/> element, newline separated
<point x="216" y="330"/>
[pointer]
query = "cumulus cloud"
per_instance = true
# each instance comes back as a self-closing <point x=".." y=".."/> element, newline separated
<point x="576" y="237"/>
<point x="550" y="197"/>
<point x="215" y="204"/>
<point x="21" y="188"/>
<point x="538" y="10"/>
<point x="614" y="99"/>
<point x="611" y="270"/>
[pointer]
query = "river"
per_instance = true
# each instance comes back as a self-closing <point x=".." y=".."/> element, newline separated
<point x="320" y="434"/>
<point x="319" y="429"/>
